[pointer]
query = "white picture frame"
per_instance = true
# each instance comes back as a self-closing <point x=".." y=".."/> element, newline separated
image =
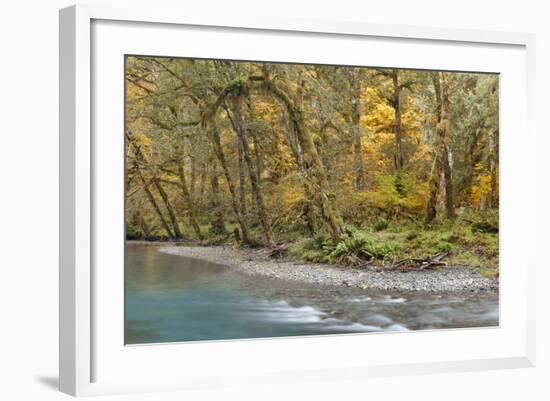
<point x="83" y="160"/>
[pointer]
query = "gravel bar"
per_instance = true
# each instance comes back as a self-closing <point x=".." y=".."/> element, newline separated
<point x="255" y="262"/>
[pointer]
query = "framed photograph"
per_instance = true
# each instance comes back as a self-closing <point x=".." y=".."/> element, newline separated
<point x="278" y="200"/>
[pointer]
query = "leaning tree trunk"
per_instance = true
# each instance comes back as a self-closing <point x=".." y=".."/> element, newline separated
<point x="169" y="208"/>
<point x="218" y="150"/>
<point x="190" y="202"/>
<point x="254" y="180"/>
<point x="140" y="157"/>
<point x="153" y="202"/>
<point x="355" y="88"/>
<point x="144" y="226"/>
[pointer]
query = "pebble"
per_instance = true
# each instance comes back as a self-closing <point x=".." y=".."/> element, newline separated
<point x="254" y="262"/>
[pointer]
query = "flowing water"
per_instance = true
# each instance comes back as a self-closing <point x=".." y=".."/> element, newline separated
<point x="172" y="298"/>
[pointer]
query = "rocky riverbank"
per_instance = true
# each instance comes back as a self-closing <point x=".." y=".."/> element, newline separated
<point x="256" y="262"/>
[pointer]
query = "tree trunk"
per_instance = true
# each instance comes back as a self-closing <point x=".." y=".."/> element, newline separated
<point x="193" y="174"/>
<point x="441" y="165"/>
<point x="313" y="165"/>
<point x="309" y="204"/>
<point x="493" y="194"/>
<point x="309" y="190"/>
<point x="144" y="227"/>
<point x="355" y="88"/>
<point x="141" y="157"/>
<point x="254" y="180"/>
<point x="472" y="157"/>
<point x="437" y="90"/>
<point x="169" y="208"/>
<point x="447" y="174"/>
<point x="257" y="155"/>
<point x="433" y="185"/>
<point x="153" y="202"/>
<point x="204" y="174"/>
<point x="216" y="143"/>
<point x="445" y="138"/>
<point x="190" y="202"/>
<point x="242" y="182"/>
<point x="322" y="148"/>
<point x="398" y="130"/>
<point x="255" y="142"/>
<point x="218" y="223"/>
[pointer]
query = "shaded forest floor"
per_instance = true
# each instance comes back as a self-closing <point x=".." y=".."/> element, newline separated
<point x="458" y="245"/>
<point x="383" y="245"/>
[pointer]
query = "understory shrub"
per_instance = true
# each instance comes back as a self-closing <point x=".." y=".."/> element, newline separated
<point x="359" y="246"/>
<point x="381" y="225"/>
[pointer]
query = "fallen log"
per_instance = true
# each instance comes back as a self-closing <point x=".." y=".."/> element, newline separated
<point x="419" y="263"/>
<point x="277" y="252"/>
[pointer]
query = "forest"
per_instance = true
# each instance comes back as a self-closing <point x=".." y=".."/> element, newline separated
<point x="346" y="165"/>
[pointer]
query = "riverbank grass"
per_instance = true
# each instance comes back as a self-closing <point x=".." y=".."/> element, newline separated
<point x="382" y="246"/>
<point x="466" y="242"/>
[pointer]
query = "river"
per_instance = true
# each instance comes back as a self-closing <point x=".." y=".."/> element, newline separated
<point x="172" y="298"/>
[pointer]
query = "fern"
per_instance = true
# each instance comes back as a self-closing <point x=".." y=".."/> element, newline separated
<point x="360" y="246"/>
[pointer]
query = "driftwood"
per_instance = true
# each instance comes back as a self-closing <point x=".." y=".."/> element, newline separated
<point x="420" y="264"/>
<point x="365" y="262"/>
<point x="277" y="251"/>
